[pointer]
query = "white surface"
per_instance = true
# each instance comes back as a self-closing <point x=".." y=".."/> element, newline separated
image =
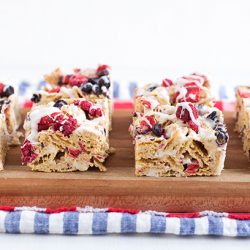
<point x="143" y="40"/>
<point x="117" y="242"/>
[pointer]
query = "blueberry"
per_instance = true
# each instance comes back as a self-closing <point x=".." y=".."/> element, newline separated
<point x="157" y="129"/>
<point x="93" y="80"/>
<point x="104" y="72"/>
<point x="104" y="81"/>
<point x="212" y="115"/>
<point x="8" y="90"/>
<point x="97" y="90"/>
<point x="59" y="103"/>
<point x="221" y="134"/>
<point x="87" y="87"/>
<point x="36" y="98"/>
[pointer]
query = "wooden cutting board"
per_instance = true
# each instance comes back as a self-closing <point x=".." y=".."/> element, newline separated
<point x="119" y="188"/>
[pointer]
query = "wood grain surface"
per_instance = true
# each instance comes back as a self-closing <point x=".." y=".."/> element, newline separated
<point x="118" y="187"/>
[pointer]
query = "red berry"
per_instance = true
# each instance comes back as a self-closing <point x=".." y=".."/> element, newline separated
<point x="66" y="79"/>
<point x="68" y="126"/>
<point x="45" y="123"/>
<point x="1" y="88"/>
<point x="193" y="126"/>
<point x="28" y="152"/>
<point x="145" y="103"/>
<point x="98" y="112"/>
<point x="76" y="102"/>
<point x="74" y="152"/>
<point x="151" y="120"/>
<point x="183" y="113"/>
<point x="166" y="82"/>
<point x="74" y="80"/>
<point x="85" y="105"/>
<point x="54" y="90"/>
<point x="192" y="95"/>
<point x="191" y="168"/>
<point x="144" y="127"/>
<point x="102" y="67"/>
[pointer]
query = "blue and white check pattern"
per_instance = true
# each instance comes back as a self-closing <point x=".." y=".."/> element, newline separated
<point x="100" y="221"/>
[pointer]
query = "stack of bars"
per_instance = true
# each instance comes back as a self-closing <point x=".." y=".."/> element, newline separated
<point x="10" y="120"/>
<point x="243" y="117"/>
<point x="177" y="131"/>
<point x="68" y="126"/>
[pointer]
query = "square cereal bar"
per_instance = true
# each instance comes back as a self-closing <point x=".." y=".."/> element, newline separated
<point x="10" y="108"/>
<point x="67" y="135"/>
<point x="3" y="140"/>
<point x="181" y="140"/>
<point x="243" y="117"/>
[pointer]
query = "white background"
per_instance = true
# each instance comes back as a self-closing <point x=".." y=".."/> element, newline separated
<point x="143" y="40"/>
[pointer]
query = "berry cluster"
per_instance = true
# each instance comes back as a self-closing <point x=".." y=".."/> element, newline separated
<point x="189" y="114"/>
<point x="97" y="85"/>
<point x="58" y="122"/>
<point x="149" y="124"/>
<point x="6" y="90"/>
<point x="28" y="152"/>
<point x="89" y="108"/>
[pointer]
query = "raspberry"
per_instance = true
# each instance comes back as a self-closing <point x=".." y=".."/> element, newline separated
<point x="74" y="152"/>
<point x="76" y="102"/>
<point x="98" y="112"/>
<point x="45" y="123"/>
<point x="1" y="88"/>
<point x="102" y="67"/>
<point x="193" y="126"/>
<point x="66" y="79"/>
<point x="58" y="121"/>
<point x="183" y="113"/>
<point x="144" y="127"/>
<point x="54" y="90"/>
<point x="74" y="80"/>
<point x="166" y="82"/>
<point x="192" y="95"/>
<point x="28" y="154"/>
<point x="151" y="120"/>
<point x="85" y="105"/>
<point x="146" y="104"/>
<point x="191" y="168"/>
<point x="65" y="125"/>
